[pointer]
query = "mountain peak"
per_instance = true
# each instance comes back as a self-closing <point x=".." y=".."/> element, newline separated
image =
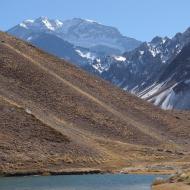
<point x="41" y="18"/>
<point x="157" y="40"/>
<point x="41" y="23"/>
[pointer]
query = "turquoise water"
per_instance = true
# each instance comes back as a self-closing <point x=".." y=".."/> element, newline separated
<point x="79" y="182"/>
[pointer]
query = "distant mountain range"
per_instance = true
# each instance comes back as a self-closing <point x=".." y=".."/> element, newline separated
<point x="134" y="66"/>
<point x="79" y="32"/>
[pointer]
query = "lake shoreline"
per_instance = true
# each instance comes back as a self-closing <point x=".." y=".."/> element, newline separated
<point x="83" y="172"/>
<point x="91" y="171"/>
<point x="51" y="173"/>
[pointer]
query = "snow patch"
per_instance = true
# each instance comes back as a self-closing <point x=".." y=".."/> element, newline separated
<point x="58" y="23"/>
<point x="98" y="66"/>
<point x="133" y="90"/>
<point x="153" y="50"/>
<point x="98" y="60"/>
<point x="29" y="38"/>
<point x="119" y="58"/>
<point x="151" y="90"/>
<point x="29" y="21"/>
<point x="168" y="102"/>
<point x="163" y="40"/>
<point x="48" y="24"/>
<point x="23" y="25"/>
<point x="86" y="55"/>
<point x="91" y="21"/>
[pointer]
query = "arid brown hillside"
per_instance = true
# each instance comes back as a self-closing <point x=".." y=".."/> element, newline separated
<point x="55" y="116"/>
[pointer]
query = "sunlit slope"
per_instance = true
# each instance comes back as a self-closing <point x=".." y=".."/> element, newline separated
<point x="103" y="124"/>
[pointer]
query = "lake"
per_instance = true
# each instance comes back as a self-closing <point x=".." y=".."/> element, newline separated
<point x="79" y="182"/>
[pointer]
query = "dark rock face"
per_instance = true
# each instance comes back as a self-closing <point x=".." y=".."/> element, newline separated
<point x="152" y="68"/>
<point x="178" y="74"/>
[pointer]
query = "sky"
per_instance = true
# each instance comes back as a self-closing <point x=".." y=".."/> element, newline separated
<point x="140" y="19"/>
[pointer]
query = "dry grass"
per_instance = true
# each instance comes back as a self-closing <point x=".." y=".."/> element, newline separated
<point x="158" y="181"/>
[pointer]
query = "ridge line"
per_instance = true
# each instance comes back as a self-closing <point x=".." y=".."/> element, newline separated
<point x="136" y="124"/>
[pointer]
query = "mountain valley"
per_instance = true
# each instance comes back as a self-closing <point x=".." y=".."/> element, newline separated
<point x="57" y="118"/>
<point x="134" y="66"/>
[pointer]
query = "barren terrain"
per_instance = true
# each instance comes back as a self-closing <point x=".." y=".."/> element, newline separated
<point x="56" y="118"/>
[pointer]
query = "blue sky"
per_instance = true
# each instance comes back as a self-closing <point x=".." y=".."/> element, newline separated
<point x="141" y="19"/>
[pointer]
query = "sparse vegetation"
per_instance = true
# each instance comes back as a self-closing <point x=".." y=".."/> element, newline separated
<point x="54" y="118"/>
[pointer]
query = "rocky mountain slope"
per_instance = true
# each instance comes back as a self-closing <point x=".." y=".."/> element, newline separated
<point x="143" y="66"/>
<point x="141" y="70"/>
<point x="172" y="90"/>
<point x="55" y="118"/>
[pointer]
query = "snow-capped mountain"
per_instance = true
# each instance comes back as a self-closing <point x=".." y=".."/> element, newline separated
<point x="41" y="24"/>
<point x="79" y="32"/>
<point x="151" y="71"/>
<point x="143" y="67"/>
